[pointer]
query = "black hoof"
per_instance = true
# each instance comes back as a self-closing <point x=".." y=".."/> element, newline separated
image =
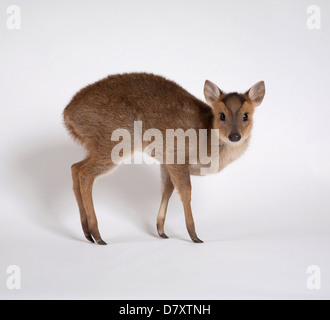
<point x="101" y="242"/>
<point x="196" y="240"/>
<point x="89" y="238"/>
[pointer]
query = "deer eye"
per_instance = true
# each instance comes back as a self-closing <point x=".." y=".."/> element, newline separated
<point x="222" y="117"/>
<point x="246" y="117"/>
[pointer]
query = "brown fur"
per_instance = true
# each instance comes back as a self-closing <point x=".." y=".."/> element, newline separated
<point x="119" y="100"/>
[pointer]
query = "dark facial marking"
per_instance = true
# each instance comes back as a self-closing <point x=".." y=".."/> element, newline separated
<point x="233" y="101"/>
<point x="231" y="96"/>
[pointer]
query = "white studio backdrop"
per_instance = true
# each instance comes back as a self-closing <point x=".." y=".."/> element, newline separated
<point x="265" y="219"/>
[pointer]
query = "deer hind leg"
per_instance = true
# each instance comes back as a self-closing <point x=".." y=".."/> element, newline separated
<point x="76" y="188"/>
<point x="87" y="171"/>
<point x="168" y="188"/>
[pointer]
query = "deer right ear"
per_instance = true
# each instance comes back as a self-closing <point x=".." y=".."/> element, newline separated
<point x="257" y="93"/>
<point x="211" y="92"/>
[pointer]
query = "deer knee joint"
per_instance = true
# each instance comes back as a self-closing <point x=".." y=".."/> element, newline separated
<point x="186" y="195"/>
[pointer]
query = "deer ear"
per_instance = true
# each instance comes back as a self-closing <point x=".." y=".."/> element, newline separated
<point x="211" y="92"/>
<point x="257" y="93"/>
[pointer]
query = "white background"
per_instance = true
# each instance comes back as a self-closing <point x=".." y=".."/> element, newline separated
<point x="265" y="219"/>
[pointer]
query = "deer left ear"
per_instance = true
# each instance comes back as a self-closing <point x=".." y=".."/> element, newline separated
<point x="212" y="93"/>
<point x="257" y="93"/>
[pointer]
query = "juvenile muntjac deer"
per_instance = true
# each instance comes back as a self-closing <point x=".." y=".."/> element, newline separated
<point x="119" y="101"/>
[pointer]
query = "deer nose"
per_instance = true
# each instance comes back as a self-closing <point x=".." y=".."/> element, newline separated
<point x="234" y="137"/>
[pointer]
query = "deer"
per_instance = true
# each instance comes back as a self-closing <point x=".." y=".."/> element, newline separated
<point x="118" y="101"/>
